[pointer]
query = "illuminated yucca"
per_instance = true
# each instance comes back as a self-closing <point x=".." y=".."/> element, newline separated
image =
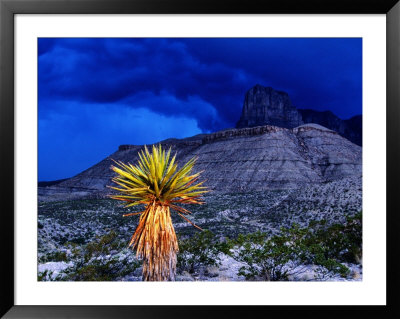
<point x="157" y="183"/>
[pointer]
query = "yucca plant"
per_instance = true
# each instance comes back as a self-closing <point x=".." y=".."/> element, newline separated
<point x="157" y="183"/>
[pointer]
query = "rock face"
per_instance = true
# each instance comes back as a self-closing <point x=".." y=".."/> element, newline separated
<point x="238" y="160"/>
<point x="265" y="106"/>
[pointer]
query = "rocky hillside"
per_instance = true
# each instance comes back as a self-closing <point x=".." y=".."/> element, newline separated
<point x="238" y="160"/>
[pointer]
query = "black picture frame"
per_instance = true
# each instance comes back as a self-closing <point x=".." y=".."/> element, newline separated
<point x="8" y="8"/>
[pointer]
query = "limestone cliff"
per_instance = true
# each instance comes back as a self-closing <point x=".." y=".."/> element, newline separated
<point x="266" y="106"/>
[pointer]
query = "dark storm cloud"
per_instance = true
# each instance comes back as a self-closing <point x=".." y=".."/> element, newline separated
<point x="317" y="73"/>
<point x="97" y="90"/>
<point x="104" y="71"/>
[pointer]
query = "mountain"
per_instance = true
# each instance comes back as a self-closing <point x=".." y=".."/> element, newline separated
<point x="238" y="160"/>
<point x="270" y="149"/>
<point x="266" y="106"/>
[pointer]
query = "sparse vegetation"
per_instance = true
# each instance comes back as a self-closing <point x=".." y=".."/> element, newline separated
<point x="94" y="261"/>
<point x="277" y="257"/>
<point x="69" y="226"/>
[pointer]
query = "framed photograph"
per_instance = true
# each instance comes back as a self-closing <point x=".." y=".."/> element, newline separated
<point x="235" y="156"/>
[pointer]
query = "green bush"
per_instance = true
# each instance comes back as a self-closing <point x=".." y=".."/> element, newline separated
<point x="101" y="270"/>
<point x="102" y="245"/>
<point x="54" y="256"/>
<point x="200" y="250"/>
<point x="327" y="246"/>
<point x="43" y="275"/>
<point x="265" y="257"/>
<point x="92" y="262"/>
<point x="341" y="242"/>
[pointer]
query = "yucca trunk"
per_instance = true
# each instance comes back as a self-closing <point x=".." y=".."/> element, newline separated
<point x="156" y="243"/>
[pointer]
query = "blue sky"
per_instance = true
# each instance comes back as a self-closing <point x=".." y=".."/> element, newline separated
<point x="95" y="94"/>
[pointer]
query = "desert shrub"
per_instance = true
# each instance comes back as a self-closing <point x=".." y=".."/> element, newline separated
<point x="48" y="275"/>
<point x="93" y="262"/>
<point x="265" y="257"/>
<point x="42" y="276"/>
<point x="97" y="270"/>
<point x="101" y="269"/>
<point x="78" y="240"/>
<point x="74" y="248"/>
<point x="54" y="256"/>
<point x="340" y="242"/>
<point x="202" y="249"/>
<point x="102" y="245"/>
<point x="327" y="246"/>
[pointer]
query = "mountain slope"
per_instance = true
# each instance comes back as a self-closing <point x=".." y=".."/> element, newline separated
<point x="238" y="160"/>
